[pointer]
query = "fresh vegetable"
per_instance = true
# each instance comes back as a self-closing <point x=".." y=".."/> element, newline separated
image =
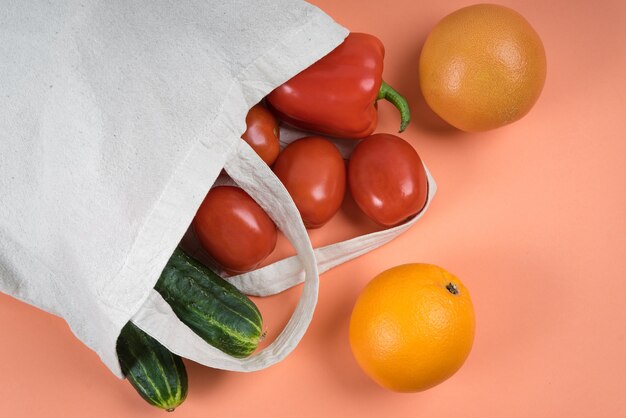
<point x="337" y="95"/>
<point x="313" y="171"/>
<point x="158" y="375"/>
<point x="482" y="67"/>
<point x="262" y="133"/>
<point x="234" y="229"/>
<point x="387" y="179"/>
<point x="210" y="306"/>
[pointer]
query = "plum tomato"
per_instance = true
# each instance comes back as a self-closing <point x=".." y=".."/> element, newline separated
<point x="262" y="133"/>
<point x="314" y="173"/>
<point x="234" y="229"/>
<point x="387" y="179"/>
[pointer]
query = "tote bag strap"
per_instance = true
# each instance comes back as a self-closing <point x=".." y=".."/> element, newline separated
<point x="288" y="272"/>
<point x="250" y="172"/>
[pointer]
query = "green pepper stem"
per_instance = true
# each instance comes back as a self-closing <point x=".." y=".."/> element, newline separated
<point x="388" y="93"/>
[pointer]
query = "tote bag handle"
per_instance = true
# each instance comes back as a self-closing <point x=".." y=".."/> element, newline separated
<point x="157" y="318"/>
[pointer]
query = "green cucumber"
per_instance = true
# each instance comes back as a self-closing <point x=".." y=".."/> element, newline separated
<point x="158" y="375"/>
<point x="210" y="306"/>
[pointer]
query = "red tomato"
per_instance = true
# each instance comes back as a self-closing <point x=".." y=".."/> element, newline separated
<point x="234" y="229"/>
<point x="387" y="179"/>
<point x="314" y="173"/>
<point x="262" y="133"/>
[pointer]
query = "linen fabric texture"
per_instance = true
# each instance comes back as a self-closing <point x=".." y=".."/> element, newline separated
<point x="116" y="117"/>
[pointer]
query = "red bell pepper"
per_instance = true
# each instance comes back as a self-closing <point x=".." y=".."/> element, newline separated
<point x="337" y="95"/>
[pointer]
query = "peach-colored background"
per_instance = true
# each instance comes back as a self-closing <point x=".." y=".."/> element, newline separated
<point x="531" y="217"/>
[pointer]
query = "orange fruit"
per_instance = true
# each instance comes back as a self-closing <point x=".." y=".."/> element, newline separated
<point x="482" y="67"/>
<point x="412" y="327"/>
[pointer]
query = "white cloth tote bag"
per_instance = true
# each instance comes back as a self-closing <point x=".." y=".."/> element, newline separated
<point x="116" y="117"/>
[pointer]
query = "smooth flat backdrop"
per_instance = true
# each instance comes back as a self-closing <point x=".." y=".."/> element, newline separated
<point x="531" y="217"/>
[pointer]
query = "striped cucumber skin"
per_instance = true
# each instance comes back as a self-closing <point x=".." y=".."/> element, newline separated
<point x="158" y="375"/>
<point x="210" y="306"/>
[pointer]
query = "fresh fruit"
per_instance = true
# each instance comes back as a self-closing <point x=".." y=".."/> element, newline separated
<point x="313" y="172"/>
<point x="210" y="306"/>
<point x="387" y="179"/>
<point x="158" y="375"/>
<point x="482" y="67"/>
<point x="262" y="133"/>
<point x="412" y="327"/>
<point x="234" y="229"/>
